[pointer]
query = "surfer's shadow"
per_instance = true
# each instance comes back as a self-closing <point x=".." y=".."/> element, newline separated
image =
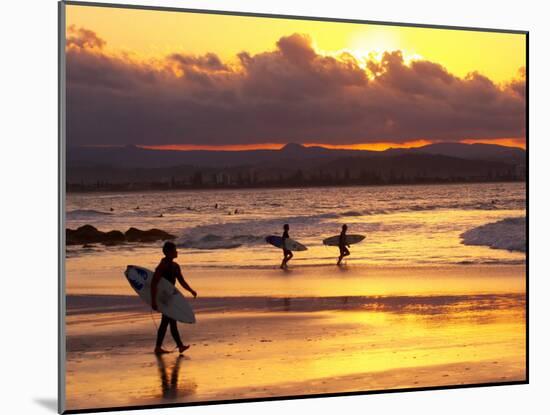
<point x="343" y="268"/>
<point x="171" y="383"/>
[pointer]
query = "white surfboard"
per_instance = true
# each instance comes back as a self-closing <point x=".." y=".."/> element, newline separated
<point x="170" y="301"/>
<point x="350" y="240"/>
<point x="290" y="244"/>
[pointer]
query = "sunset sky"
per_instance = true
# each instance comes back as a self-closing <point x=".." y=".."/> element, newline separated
<point x="185" y="80"/>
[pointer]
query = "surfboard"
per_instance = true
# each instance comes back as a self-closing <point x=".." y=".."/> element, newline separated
<point x="350" y="240"/>
<point x="291" y="244"/>
<point x="170" y="301"/>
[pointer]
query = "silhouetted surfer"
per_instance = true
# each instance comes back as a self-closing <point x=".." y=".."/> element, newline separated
<point x="342" y="244"/>
<point x="171" y="271"/>
<point x="287" y="253"/>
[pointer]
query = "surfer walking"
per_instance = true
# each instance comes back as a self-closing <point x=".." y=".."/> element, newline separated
<point x="343" y="245"/>
<point x="287" y="253"/>
<point x="171" y="271"/>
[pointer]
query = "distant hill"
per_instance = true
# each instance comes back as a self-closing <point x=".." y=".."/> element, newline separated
<point x="132" y="156"/>
<point x="469" y="151"/>
<point x="127" y="168"/>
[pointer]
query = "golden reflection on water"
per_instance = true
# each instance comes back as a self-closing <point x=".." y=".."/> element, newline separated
<point x="239" y="355"/>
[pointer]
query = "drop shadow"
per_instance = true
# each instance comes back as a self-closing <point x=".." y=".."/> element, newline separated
<point x="48" y="403"/>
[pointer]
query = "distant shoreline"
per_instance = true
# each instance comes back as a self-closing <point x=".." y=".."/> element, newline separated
<point x="167" y="188"/>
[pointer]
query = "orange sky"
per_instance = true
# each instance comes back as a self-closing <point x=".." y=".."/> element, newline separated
<point x="149" y="36"/>
<point x="153" y="34"/>
<point x="378" y="146"/>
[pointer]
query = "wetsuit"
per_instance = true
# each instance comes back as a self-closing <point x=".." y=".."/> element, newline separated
<point x="285" y="250"/>
<point x="170" y="271"/>
<point x="342" y="245"/>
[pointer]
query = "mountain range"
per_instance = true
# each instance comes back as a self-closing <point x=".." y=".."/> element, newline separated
<point x="132" y="167"/>
<point x="137" y="157"/>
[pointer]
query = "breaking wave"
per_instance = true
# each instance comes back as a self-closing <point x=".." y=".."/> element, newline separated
<point x="506" y="234"/>
<point x="492" y="205"/>
<point x="253" y="232"/>
<point x="85" y="213"/>
<point x="212" y="241"/>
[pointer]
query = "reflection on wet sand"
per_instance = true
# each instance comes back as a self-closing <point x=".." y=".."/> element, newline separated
<point x="169" y="381"/>
<point x="295" y="346"/>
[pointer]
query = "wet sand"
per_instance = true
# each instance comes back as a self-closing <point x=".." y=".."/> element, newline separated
<point x="85" y="276"/>
<point x="308" y="343"/>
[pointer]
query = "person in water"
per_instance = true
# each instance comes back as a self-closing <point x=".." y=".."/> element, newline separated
<point x="343" y="245"/>
<point x="171" y="271"/>
<point x="287" y="253"/>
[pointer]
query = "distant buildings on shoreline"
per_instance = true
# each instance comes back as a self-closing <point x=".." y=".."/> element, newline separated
<point x="251" y="178"/>
<point x="293" y="166"/>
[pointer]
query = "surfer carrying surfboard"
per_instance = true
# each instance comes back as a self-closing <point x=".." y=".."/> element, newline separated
<point x="171" y="271"/>
<point x="343" y="244"/>
<point x="287" y="253"/>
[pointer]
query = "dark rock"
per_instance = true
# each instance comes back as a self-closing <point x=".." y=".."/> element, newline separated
<point x="88" y="234"/>
<point x="114" y="237"/>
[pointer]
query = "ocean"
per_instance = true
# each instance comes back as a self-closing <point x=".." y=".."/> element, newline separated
<point x="404" y="225"/>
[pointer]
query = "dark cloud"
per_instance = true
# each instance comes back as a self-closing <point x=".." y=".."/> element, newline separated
<point x="83" y="38"/>
<point x="210" y="61"/>
<point x="518" y="84"/>
<point x="294" y="72"/>
<point x="297" y="49"/>
<point x="291" y="93"/>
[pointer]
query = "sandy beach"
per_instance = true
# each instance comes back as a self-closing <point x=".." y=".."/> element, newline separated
<point x="417" y="304"/>
<point x="307" y="338"/>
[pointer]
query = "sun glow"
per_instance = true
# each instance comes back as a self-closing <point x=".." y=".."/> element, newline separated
<point x="363" y="56"/>
<point x="507" y="142"/>
<point x="374" y="146"/>
<point x="158" y="34"/>
<point x="153" y="38"/>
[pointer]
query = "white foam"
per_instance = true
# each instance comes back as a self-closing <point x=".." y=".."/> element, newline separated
<point x="506" y="234"/>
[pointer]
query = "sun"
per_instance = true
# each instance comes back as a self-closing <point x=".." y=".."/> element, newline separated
<point x="370" y="45"/>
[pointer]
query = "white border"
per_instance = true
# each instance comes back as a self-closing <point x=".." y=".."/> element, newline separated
<point x="29" y="204"/>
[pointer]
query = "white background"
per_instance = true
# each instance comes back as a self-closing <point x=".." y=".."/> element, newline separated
<point x="28" y="162"/>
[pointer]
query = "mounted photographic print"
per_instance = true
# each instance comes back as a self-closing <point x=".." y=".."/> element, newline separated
<point x="258" y="207"/>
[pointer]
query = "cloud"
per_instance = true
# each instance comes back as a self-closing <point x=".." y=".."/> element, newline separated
<point x="518" y="85"/>
<point x="210" y="61"/>
<point x="83" y="38"/>
<point x="290" y="93"/>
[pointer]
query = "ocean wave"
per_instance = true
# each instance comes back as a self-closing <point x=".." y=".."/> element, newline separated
<point x="212" y="241"/>
<point x="353" y="213"/>
<point x="248" y="232"/>
<point x="506" y="234"/>
<point x="422" y="305"/>
<point x="85" y="213"/>
<point x="492" y="262"/>
<point x="491" y="205"/>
